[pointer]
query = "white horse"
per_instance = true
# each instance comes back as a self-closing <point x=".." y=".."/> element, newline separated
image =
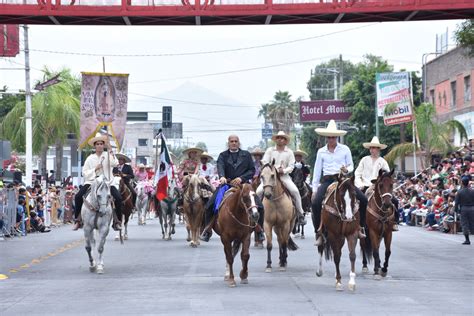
<point x="142" y="203"/>
<point x="97" y="215"/>
<point x="168" y="212"/>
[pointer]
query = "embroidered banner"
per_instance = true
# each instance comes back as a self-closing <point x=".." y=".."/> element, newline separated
<point x="104" y="99"/>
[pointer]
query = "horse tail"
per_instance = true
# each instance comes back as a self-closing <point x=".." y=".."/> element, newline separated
<point x="235" y="247"/>
<point x="291" y="244"/>
<point x="326" y="248"/>
<point x="366" y="247"/>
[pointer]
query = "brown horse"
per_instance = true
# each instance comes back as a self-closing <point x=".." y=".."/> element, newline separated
<point x="340" y="221"/>
<point x="280" y="215"/>
<point x="235" y="222"/>
<point x="380" y="220"/>
<point x="127" y="209"/>
<point x="193" y="207"/>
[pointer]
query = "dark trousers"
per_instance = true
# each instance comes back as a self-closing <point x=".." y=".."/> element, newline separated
<point x="317" y="204"/>
<point x="467" y="219"/>
<point x="133" y="192"/>
<point x="78" y="199"/>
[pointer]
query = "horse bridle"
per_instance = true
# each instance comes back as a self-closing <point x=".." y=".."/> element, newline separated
<point x="96" y="208"/>
<point x="335" y="197"/>
<point x="273" y="187"/>
<point x="246" y="211"/>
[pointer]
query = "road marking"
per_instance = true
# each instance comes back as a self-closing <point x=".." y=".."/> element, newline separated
<point x="43" y="258"/>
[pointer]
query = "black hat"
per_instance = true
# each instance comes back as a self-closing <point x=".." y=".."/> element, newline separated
<point x="468" y="158"/>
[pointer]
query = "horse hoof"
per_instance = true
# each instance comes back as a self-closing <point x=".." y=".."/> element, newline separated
<point x="92" y="269"/>
<point x="244" y="281"/>
<point x="319" y="273"/>
<point x="377" y="277"/>
<point x="339" y="286"/>
<point x="100" y="270"/>
<point x="125" y="237"/>
<point x="365" y="270"/>
<point x="268" y="270"/>
<point x="226" y="278"/>
<point x="188" y="239"/>
<point x="282" y="269"/>
<point x="117" y="238"/>
<point x="232" y="283"/>
<point x="302" y="237"/>
<point x="383" y="274"/>
<point x="351" y="287"/>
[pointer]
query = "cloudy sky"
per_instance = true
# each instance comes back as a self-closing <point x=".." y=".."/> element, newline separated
<point x="240" y="67"/>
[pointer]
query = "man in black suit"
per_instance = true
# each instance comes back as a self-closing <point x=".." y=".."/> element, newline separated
<point x="126" y="172"/>
<point x="235" y="166"/>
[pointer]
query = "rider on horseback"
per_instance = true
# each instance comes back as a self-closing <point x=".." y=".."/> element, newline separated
<point x="126" y="172"/>
<point x="330" y="161"/>
<point x="284" y="162"/>
<point x="300" y="164"/>
<point x="97" y="164"/>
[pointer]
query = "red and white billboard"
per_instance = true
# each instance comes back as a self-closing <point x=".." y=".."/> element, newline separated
<point x="323" y="111"/>
<point x="10" y="40"/>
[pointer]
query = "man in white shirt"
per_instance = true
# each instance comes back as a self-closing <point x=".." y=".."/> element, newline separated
<point x="284" y="162"/>
<point x="98" y="164"/>
<point x="330" y="161"/>
<point x="205" y="168"/>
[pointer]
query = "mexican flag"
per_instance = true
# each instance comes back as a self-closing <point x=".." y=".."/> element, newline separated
<point x="165" y="173"/>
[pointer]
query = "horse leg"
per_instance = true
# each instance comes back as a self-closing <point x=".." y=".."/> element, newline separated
<point x="336" y="246"/>
<point x="364" y="257"/>
<point x="245" y="256"/>
<point x="387" y="241"/>
<point x="89" y="236"/>
<point x="230" y="261"/>
<point x="162" y="228"/>
<point x="125" y="234"/>
<point x="351" y="245"/>
<point x="319" y="272"/>
<point x="283" y="245"/>
<point x="103" y="232"/>
<point x="269" y="236"/>
<point x="376" y="246"/>
<point x="302" y="232"/>
<point x="167" y="233"/>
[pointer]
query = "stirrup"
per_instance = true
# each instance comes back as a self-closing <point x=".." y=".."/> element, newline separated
<point x="362" y="233"/>
<point x="77" y="225"/>
<point x="117" y="226"/>
<point x="395" y="228"/>
<point x="319" y="239"/>
<point x="205" y="236"/>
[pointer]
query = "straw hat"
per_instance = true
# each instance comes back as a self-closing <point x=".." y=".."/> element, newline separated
<point x="206" y="155"/>
<point x="98" y="137"/>
<point x="140" y="166"/>
<point x="281" y="134"/>
<point x="374" y="143"/>
<point x="123" y="156"/>
<point x="258" y="151"/>
<point x="330" y="130"/>
<point x="188" y="150"/>
<point x="148" y="167"/>
<point x="300" y="152"/>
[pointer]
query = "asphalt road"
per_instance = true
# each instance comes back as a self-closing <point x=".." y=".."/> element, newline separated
<point x="430" y="273"/>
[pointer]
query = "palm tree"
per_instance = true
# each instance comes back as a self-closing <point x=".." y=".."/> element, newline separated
<point x="432" y="136"/>
<point x="281" y="112"/>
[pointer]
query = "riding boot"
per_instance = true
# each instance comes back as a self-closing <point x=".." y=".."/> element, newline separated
<point x="467" y="241"/>
<point x="77" y="223"/>
<point x="207" y="232"/>
<point x="395" y="227"/>
<point x="319" y="239"/>
<point x="117" y="225"/>
<point x="362" y="233"/>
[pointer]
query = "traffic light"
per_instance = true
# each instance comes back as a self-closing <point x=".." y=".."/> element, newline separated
<point x="167" y="118"/>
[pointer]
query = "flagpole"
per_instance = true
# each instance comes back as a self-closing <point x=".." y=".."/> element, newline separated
<point x="157" y="157"/>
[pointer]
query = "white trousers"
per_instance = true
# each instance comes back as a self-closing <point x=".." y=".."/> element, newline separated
<point x="291" y="187"/>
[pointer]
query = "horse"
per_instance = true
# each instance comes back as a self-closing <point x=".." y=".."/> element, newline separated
<point x="280" y="215"/>
<point x="380" y="220"/>
<point x="340" y="221"/>
<point x="168" y="211"/>
<point x="237" y="217"/>
<point x="127" y="209"/>
<point x="142" y="203"/>
<point x="193" y="207"/>
<point x="305" y="192"/>
<point x="97" y="215"/>
<point x="257" y="243"/>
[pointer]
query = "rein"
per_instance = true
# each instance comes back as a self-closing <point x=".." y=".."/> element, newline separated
<point x="246" y="211"/>
<point x="336" y="204"/>
<point x="385" y="216"/>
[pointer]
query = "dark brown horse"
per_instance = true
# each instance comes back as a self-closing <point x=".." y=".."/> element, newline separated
<point x="305" y="192"/>
<point x="340" y="221"/>
<point x="235" y="223"/>
<point x="127" y="209"/>
<point x="380" y="220"/>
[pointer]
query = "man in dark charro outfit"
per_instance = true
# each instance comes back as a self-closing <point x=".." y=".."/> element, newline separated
<point x="125" y="171"/>
<point x="234" y="166"/>
<point x="464" y="204"/>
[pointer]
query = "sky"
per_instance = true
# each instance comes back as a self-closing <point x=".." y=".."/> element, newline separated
<point x="218" y="75"/>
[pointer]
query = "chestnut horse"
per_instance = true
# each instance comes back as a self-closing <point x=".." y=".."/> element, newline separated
<point x="193" y="208"/>
<point x="380" y="220"/>
<point x="340" y="221"/>
<point x="236" y="220"/>
<point x="280" y="215"/>
<point x="127" y="209"/>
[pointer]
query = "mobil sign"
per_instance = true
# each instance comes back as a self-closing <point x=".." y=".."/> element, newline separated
<point x="323" y="111"/>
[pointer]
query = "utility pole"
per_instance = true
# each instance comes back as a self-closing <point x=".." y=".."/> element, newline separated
<point x="28" y="125"/>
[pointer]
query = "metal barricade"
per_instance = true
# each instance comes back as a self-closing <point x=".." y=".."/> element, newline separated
<point x="8" y="202"/>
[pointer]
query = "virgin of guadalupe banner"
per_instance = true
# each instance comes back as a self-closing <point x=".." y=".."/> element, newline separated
<point x="104" y="98"/>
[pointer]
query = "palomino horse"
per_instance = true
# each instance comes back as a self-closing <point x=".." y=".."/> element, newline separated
<point x="168" y="211"/>
<point x="142" y="203"/>
<point x="280" y="215"/>
<point x="305" y="192"/>
<point x="193" y="207"/>
<point x="96" y="214"/>
<point x="340" y="221"/>
<point x="236" y="220"/>
<point x="380" y="220"/>
<point x="127" y="209"/>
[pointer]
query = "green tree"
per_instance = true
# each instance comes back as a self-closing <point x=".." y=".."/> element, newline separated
<point x="464" y="35"/>
<point x="433" y="136"/>
<point x="282" y="112"/>
<point x="7" y="103"/>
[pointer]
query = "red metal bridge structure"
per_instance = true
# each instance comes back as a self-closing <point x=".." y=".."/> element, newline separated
<point x="228" y="12"/>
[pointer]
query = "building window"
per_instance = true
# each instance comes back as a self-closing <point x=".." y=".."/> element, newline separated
<point x="432" y="97"/>
<point x="467" y="88"/>
<point x="142" y="142"/>
<point x="453" y="94"/>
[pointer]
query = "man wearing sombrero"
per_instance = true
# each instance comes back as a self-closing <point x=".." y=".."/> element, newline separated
<point x="284" y="162"/>
<point x="205" y="168"/>
<point x="97" y="164"/>
<point x="368" y="170"/>
<point x="330" y="161"/>
<point x="125" y="171"/>
<point x="300" y="164"/>
<point x="257" y="155"/>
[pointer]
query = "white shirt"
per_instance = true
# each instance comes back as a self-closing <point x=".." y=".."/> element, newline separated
<point x="209" y="172"/>
<point x="89" y="173"/>
<point x="368" y="169"/>
<point x="330" y="163"/>
<point x="284" y="159"/>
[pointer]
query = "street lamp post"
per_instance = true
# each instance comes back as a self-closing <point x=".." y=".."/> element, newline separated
<point x="423" y="62"/>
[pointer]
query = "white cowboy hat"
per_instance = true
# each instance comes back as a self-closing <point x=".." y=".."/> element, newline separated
<point x="98" y="137"/>
<point x="374" y="143"/>
<point x="206" y="155"/>
<point x="258" y="151"/>
<point x="140" y="166"/>
<point x="281" y="134"/>
<point x="188" y="150"/>
<point x="300" y="152"/>
<point x="330" y="130"/>
<point x="123" y="156"/>
<point x="148" y="167"/>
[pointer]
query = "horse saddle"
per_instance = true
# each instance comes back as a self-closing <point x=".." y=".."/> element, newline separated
<point x="227" y="193"/>
<point x="331" y="209"/>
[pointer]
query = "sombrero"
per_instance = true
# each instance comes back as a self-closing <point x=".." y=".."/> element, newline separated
<point x="123" y="156"/>
<point x="188" y="150"/>
<point x="281" y="134"/>
<point x="140" y="166"/>
<point x="374" y="143"/>
<point x="330" y="130"/>
<point x="206" y="155"/>
<point x="98" y="137"/>
<point x="300" y="152"/>
<point x="258" y="151"/>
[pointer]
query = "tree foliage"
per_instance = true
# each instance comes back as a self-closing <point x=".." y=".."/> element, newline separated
<point x="282" y="112"/>
<point x="8" y="102"/>
<point x="464" y="36"/>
